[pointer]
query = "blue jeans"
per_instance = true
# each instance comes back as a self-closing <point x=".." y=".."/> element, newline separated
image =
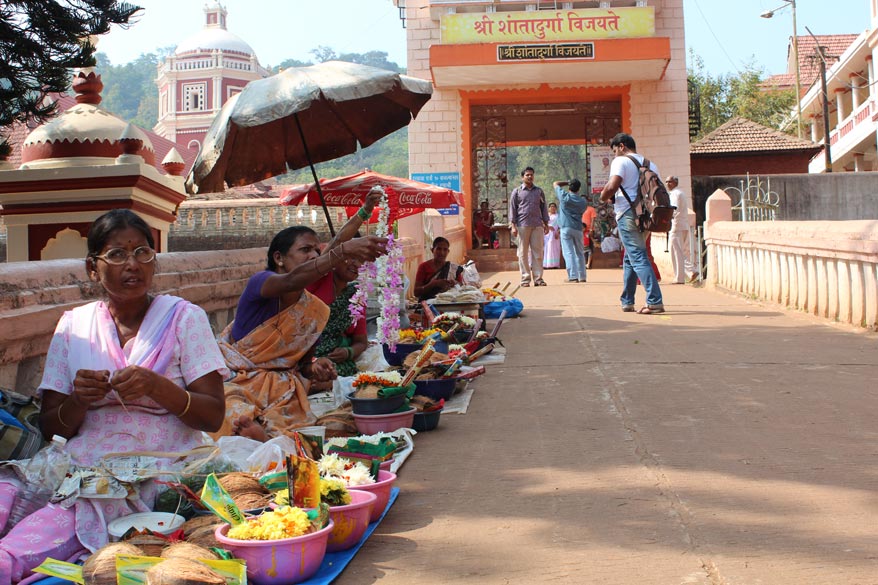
<point x="572" y="249"/>
<point x="636" y="263"/>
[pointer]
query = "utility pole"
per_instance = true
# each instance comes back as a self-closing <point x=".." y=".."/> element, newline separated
<point x="827" y="153"/>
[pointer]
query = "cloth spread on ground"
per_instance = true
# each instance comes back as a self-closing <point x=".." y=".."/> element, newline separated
<point x="267" y="386"/>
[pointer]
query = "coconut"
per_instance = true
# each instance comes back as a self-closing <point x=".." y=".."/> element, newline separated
<point x="251" y="501"/>
<point x="182" y="572"/>
<point x="100" y="568"/>
<point x="150" y="545"/>
<point x="187" y="550"/>
<point x="204" y="536"/>
<point x="241" y="483"/>
<point x="197" y="522"/>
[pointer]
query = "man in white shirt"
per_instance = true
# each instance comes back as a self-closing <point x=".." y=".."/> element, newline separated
<point x="625" y="175"/>
<point x="679" y="234"/>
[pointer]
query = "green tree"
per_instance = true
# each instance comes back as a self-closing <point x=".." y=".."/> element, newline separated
<point x="726" y="96"/>
<point x="40" y="41"/>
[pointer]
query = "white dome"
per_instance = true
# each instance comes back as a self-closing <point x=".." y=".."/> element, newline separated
<point x="214" y="38"/>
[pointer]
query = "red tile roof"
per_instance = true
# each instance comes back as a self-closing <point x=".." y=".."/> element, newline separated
<point x="809" y="66"/>
<point x="740" y="135"/>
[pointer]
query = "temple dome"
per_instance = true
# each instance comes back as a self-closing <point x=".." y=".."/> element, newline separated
<point x="209" y="39"/>
<point x="84" y="134"/>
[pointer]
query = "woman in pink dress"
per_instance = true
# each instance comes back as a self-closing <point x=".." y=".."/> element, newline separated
<point x="133" y="372"/>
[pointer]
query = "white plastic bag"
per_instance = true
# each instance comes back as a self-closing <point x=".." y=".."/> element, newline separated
<point x="471" y="275"/>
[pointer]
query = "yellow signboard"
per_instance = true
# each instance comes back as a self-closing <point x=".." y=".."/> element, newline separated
<point x="548" y="25"/>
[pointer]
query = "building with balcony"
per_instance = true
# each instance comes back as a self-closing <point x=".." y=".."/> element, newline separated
<point x="512" y="73"/>
<point x="204" y="71"/>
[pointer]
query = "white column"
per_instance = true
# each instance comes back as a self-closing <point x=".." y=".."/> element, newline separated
<point x="871" y="73"/>
<point x="859" y="162"/>
<point x="839" y="103"/>
<point x="815" y="123"/>
<point x="855" y="91"/>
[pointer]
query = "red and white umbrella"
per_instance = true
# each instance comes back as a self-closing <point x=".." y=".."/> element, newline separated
<point x="405" y="196"/>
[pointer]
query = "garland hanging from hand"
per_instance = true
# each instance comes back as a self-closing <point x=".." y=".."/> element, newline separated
<point x="384" y="278"/>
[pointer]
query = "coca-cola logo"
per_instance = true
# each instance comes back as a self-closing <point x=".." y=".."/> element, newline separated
<point x="345" y="199"/>
<point x="418" y="199"/>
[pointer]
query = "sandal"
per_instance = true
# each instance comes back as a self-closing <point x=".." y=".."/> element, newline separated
<point x="524" y="284"/>
<point x="627" y="308"/>
<point x="652" y="310"/>
<point x="540" y="282"/>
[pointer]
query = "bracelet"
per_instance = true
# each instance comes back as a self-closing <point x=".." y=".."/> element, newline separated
<point x="350" y="352"/>
<point x="188" y="404"/>
<point x="363" y="214"/>
<point x="61" y="420"/>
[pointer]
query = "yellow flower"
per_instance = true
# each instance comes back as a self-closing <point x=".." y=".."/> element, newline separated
<point x="285" y="522"/>
<point x="334" y="492"/>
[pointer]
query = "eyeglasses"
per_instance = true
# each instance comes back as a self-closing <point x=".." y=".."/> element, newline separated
<point x="119" y="256"/>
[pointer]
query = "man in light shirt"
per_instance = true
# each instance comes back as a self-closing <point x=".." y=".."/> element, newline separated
<point x="625" y="175"/>
<point x="679" y="234"/>
<point x="529" y="219"/>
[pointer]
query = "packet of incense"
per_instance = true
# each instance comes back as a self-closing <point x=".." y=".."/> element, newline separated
<point x="479" y="353"/>
<point x="475" y="332"/>
<point x="428" y="311"/>
<point x="498" y="324"/>
<point x="422" y="359"/>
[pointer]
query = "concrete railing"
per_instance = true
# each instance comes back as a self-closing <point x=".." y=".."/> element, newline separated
<point x="826" y="268"/>
<point x="33" y="295"/>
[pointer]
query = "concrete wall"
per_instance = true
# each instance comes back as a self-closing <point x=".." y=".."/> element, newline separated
<point x="804" y="197"/>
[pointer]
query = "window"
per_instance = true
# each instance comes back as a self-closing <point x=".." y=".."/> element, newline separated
<point x="193" y="97"/>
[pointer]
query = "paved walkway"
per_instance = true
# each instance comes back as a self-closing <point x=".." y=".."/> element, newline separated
<point x="724" y="442"/>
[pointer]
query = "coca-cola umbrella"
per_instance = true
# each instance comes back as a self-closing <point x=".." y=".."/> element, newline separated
<point x="303" y="116"/>
<point x="404" y="196"/>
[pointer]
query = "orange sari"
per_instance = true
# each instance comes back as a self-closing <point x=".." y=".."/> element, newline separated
<point x="267" y="385"/>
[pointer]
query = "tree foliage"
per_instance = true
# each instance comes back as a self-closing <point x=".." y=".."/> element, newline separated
<point x="724" y="97"/>
<point x="40" y="42"/>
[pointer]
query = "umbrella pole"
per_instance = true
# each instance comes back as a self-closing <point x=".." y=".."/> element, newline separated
<point x="314" y="173"/>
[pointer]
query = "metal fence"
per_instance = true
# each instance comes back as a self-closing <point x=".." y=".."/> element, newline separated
<point x="755" y="200"/>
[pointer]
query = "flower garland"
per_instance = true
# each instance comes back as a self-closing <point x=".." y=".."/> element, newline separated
<point x="384" y="276"/>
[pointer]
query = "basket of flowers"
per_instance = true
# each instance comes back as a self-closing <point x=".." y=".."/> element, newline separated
<point x="378" y="393"/>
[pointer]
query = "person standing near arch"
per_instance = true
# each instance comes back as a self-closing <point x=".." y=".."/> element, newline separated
<point x="529" y="221"/>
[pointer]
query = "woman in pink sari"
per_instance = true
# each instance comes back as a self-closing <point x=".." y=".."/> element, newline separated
<point x="133" y="372"/>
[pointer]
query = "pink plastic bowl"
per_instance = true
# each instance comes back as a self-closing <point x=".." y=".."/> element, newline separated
<point x="385" y="465"/>
<point x="380" y="488"/>
<point x="350" y="520"/>
<point x="278" y="562"/>
<point x="384" y="423"/>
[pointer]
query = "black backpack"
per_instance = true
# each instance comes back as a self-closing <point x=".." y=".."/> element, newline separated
<point x="652" y="205"/>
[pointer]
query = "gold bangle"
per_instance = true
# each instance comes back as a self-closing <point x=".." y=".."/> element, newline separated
<point x="188" y="404"/>
<point x="61" y="420"/>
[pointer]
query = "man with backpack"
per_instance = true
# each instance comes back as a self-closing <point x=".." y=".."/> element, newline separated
<point x="623" y="188"/>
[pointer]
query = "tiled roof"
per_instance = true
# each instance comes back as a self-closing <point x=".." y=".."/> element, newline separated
<point x="743" y="135"/>
<point x="809" y="66"/>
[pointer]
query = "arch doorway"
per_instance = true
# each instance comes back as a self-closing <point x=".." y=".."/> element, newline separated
<point x="494" y="128"/>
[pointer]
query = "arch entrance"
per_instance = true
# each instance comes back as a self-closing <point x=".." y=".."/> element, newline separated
<point x="495" y="128"/>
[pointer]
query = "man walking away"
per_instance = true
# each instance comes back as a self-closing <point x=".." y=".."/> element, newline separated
<point x="625" y="174"/>
<point x="679" y="235"/>
<point x="529" y="221"/>
<point x="570" y="222"/>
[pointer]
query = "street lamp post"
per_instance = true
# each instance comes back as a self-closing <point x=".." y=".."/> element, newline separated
<point x="769" y="14"/>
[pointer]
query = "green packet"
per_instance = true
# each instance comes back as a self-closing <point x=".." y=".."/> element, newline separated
<point x="274" y="481"/>
<point x="389" y="391"/>
<point x="131" y="570"/>
<point x="382" y="449"/>
<point x="216" y="499"/>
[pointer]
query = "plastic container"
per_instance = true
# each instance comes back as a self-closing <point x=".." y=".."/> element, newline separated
<point x="426" y="421"/>
<point x="395" y="358"/>
<point x="380" y="488"/>
<point x="278" y="562"/>
<point x="350" y="520"/>
<point x="384" y="423"/>
<point x="158" y="522"/>
<point x="376" y="405"/>
<point x="43" y="476"/>
<point x="436" y="389"/>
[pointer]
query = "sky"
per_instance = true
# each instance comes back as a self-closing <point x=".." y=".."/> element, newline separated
<point x="726" y="34"/>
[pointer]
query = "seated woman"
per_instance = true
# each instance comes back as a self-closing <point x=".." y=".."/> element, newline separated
<point x="133" y="372"/>
<point x="269" y="344"/>
<point x="437" y="275"/>
<point x="483" y="219"/>
<point x="342" y="340"/>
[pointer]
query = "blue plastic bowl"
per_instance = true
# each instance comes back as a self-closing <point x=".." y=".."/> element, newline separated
<point x="426" y="421"/>
<point x="436" y="389"/>
<point x="395" y="358"/>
